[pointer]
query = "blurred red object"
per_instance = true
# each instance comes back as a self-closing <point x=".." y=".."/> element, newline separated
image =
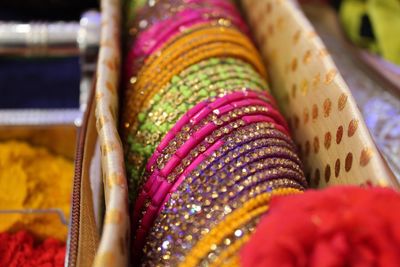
<point x="338" y="226"/>
<point x="21" y="250"/>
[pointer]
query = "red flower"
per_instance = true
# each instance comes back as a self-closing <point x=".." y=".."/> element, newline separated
<point x="339" y="226"/>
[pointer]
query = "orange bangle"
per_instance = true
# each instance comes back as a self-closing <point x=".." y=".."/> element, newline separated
<point x="198" y="54"/>
<point x="196" y="33"/>
<point x="193" y="41"/>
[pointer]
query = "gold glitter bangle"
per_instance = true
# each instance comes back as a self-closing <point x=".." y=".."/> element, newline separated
<point x="192" y="87"/>
<point x="250" y="210"/>
<point x="188" y="42"/>
<point x="151" y="14"/>
<point x="153" y="84"/>
<point x="193" y="37"/>
<point x="231" y="250"/>
<point x="210" y="50"/>
<point x="155" y="75"/>
<point x="200" y="208"/>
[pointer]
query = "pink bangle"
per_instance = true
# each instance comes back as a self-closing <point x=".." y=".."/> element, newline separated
<point x="192" y="113"/>
<point x="152" y="39"/>
<point x="202" y="112"/>
<point x="157" y="179"/>
<point x="162" y="194"/>
<point x="166" y="189"/>
<point x="182" y="152"/>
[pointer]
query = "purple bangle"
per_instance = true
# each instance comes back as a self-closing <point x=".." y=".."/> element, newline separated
<point x="238" y="146"/>
<point x="156" y="195"/>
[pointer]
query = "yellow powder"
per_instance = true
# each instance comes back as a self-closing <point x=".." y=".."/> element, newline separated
<point x="33" y="178"/>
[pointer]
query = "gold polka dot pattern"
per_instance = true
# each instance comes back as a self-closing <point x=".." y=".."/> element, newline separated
<point x="334" y="143"/>
<point x="113" y="246"/>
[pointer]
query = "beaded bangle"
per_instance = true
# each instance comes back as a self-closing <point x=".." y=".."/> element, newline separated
<point x="201" y="117"/>
<point x="240" y="138"/>
<point x="262" y="169"/>
<point x="138" y="55"/>
<point x="196" y="82"/>
<point x="166" y="8"/>
<point x="168" y="139"/>
<point x="207" y="43"/>
<point x="252" y="184"/>
<point x="164" y="115"/>
<point x="142" y="146"/>
<point x="167" y="180"/>
<point x="215" y="210"/>
<point x="152" y="14"/>
<point x="150" y="40"/>
<point x="188" y="180"/>
<point x="196" y="36"/>
<point x="132" y="110"/>
<point x="270" y="169"/>
<point x="223" y="252"/>
<point x="231" y="228"/>
<point x="209" y="77"/>
<point x="216" y="121"/>
<point x="263" y="130"/>
<point x="209" y="141"/>
<point x="147" y="84"/>
<point x="178" y="244"/>
<point x="236" y="145"/>
<point x="188" y="99"/>
<point x="181" y="161"/>
<point x="243" y="152"/>
<point x="268" y="174"/>
<point x="241" y="217"/>
<point x="246" y="155"/>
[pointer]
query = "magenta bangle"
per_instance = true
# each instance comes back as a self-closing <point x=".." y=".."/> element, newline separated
<point x="153" y="183"/>
<point x="160" y="32"/>
<point x="166" y="189"/>
<point x="152" y="39"/>
<point x="190" y="18"/>
<point x="202" y="133"/>
<point x="194" y="112"/>
<point x="157" y="188"/>
<point x="202" y="114"/>
<point x="156" y="178"/>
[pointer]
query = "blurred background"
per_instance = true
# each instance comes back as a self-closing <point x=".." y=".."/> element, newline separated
<point x="48" y="52"/>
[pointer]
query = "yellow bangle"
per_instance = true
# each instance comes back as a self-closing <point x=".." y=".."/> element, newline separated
<point x="234" y="261"/>
<point x="230" y="252"/>
<point x="238" y="219"/>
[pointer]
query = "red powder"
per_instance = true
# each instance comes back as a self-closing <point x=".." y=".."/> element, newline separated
<point x="20" y="250"/>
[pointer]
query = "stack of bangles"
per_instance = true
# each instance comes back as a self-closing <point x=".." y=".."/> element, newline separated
<point x="205" y="144"/>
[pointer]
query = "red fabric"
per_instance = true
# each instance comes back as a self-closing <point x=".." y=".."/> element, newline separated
<point x="339" y="226"/>
<point x="20" y="250"/>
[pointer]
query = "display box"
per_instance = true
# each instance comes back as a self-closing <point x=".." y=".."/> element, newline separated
<point x="331" y="134"/>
